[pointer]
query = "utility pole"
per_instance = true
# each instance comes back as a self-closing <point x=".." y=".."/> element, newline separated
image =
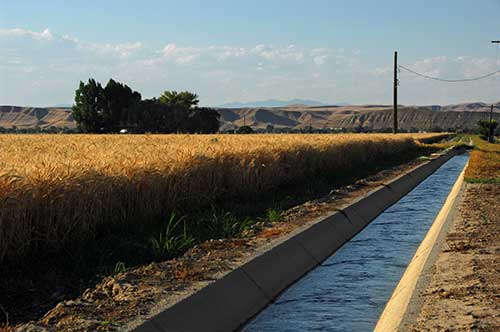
<point x="395" y="107"/>
<point x="491" y="133"/>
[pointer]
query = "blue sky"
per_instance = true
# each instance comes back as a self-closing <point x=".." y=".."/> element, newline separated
<point x="331" y="51"/>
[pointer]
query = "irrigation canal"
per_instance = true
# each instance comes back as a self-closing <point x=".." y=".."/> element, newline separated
<point x="349" y="290"/>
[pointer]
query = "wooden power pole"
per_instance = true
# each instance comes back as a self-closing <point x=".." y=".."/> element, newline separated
<point x="395" y="109"/>
<point x="491" y="133"/>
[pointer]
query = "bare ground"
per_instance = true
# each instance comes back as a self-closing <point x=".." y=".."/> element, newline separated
<point x="464" y="291"/>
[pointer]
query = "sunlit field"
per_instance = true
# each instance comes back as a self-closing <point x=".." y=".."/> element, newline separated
<point x="57" y="191"/>
<point x="484" y="163"/>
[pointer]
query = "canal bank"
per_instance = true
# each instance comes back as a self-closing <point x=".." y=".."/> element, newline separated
<point x="227" y="303"/>
<point x="405" y="303"/>
<point x="349" y="290"/>
<point x="463" y="290"/>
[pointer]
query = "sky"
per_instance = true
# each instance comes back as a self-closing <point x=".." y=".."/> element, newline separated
<point x="330" y="51"/>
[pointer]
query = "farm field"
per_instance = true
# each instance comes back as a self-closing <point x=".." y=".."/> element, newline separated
<point x="58" y="187"/>
<point x="484" y="162"/>
<point x="85" y="204"/>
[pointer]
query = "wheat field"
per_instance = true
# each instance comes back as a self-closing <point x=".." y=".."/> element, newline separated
<point x="59" y="189"/>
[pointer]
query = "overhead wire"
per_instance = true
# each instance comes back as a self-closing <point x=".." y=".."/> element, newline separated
<point x="450" y="80"/>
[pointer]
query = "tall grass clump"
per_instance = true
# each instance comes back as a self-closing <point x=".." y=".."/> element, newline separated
<point x="61" y="192"/>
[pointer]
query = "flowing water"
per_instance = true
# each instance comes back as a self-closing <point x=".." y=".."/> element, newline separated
<point x="349" y="290"/>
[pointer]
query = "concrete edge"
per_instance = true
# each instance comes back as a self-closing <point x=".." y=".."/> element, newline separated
<point x="416" y="301"/>
<point x="228" y="303"/>
<point x="397" y="307"/>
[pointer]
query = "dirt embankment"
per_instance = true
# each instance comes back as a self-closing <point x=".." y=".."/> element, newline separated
<point x="464" y="291"/>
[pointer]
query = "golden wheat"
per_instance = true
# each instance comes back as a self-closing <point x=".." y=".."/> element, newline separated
<point x="60" y="188"/>
<point x="484" y="162"/>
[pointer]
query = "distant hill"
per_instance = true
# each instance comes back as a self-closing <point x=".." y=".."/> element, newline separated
<point x="272" y="103"/>
<point x="296" y="116"/>
<point x="32" y="117"/>
<point x="377" y="117"/>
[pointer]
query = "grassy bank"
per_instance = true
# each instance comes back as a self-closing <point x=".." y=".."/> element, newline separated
<point x="484" y="163"/>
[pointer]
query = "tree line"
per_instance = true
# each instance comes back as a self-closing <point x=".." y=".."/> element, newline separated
<point x="116" y="107"/>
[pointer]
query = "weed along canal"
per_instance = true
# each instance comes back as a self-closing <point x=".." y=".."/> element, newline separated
<point x="349" y="290"/>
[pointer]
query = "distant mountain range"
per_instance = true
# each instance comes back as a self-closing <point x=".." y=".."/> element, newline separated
<point x="276" y="103"/>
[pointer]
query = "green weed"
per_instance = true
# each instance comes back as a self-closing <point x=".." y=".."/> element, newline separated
<point x="169" y="243"/>
<point x="273" y="215"/>
<point x="119" y="267"/>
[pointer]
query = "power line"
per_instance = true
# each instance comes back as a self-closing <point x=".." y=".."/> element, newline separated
<point x="450" y="80"/>
<point x="496" y="42"/>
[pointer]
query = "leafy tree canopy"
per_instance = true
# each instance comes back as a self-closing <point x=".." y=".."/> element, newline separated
<point x="89" y="105"/>
<point x="117" y="106"/>
<point x="244" y="130"/>
<point x="487" y="129"/>
<point x="184" y="99"/>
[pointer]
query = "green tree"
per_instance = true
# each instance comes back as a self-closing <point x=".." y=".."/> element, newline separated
<point x="244" y="130"/>
<point x="89" y="107"/>
<point x="120" y="104"/>
<point x="184" y="99"/>
<point x="203" y="121"/>
<point x="487" y="129"/>
<point x="117" y="106"/>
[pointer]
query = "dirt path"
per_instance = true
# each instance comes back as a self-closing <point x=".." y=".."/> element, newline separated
<point x="463" y="293"/>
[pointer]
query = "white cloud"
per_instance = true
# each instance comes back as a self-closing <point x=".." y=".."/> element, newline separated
<point x="121" y="50"/>
<point x="186" y="54"/>
<point x="320" y="59"/>
<point x="226" y="52"/>
<point x="320" y="55"/>
<point x="181" y="55"/>
<point x="17" y="32"/>
<point x="271" y="53"/>
<point x="69" y="38"/>
<point x="42" y="68"/>
<point x="454" y="67"/>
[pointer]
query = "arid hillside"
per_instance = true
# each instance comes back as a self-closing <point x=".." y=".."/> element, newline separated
<point x="32" y="117"/>
<point x="377" y="117"/>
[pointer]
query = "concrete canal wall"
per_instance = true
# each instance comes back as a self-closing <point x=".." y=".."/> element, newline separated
<point x="226" y="304"/>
